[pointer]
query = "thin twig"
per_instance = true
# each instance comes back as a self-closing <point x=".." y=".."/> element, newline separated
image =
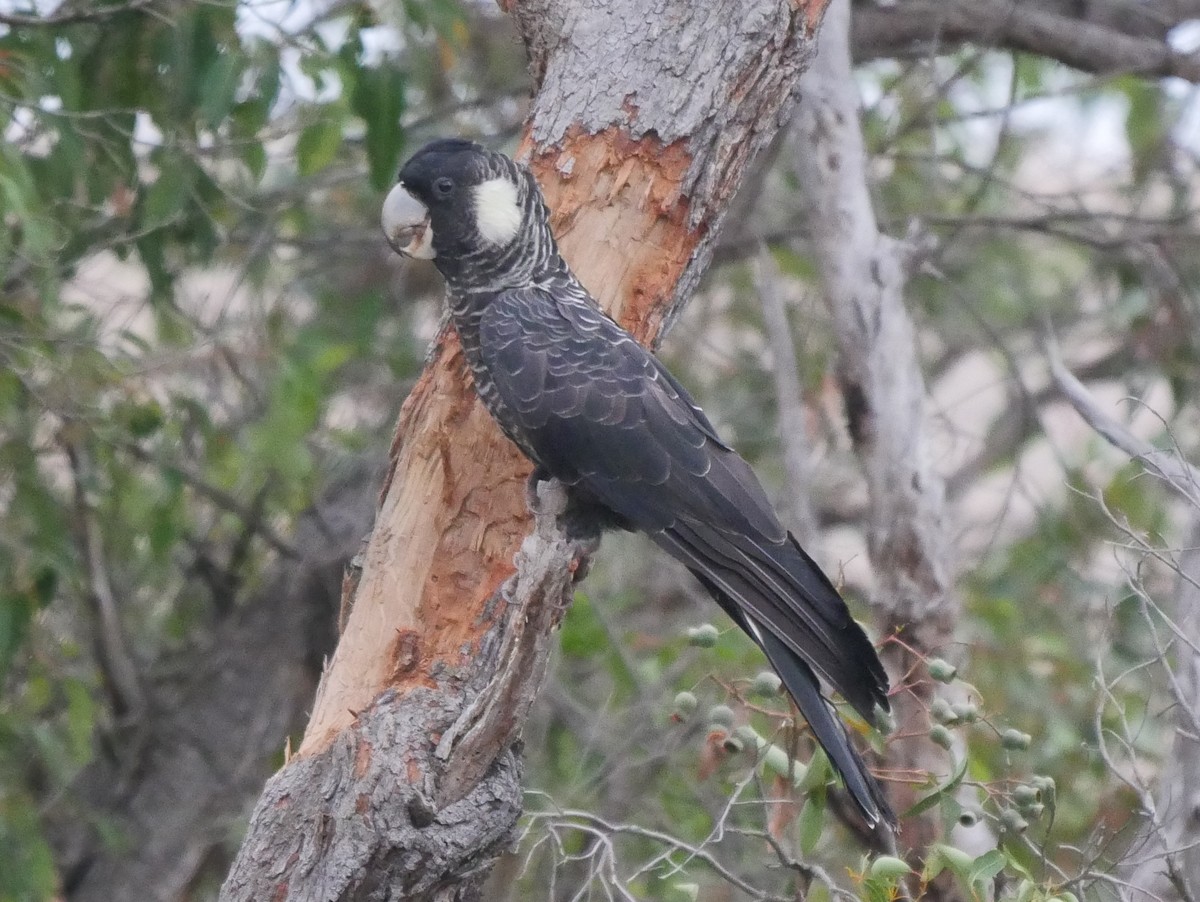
<point x="1169" y="466"/>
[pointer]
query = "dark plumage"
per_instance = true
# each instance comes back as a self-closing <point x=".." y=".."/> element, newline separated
<point x="594" y="409"/>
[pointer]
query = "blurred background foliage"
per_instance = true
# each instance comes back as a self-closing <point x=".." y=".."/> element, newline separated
<point x="200" y="328"/>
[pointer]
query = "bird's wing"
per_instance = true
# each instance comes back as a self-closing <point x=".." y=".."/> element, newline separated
<point x="604" y="415"/>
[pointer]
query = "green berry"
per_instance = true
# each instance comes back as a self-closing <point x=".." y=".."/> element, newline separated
<point x="1012" y="822"/>
<point x="766" y="683"/>
<point x="1015" y="740"/>
<point x="703" y="636"/>
<point x="939" y="735"/>
<point x="1046" y="785"/>
<point x="1026" y="795"/>
<point x="685" y="705"/>
<point x="721" y="716"/>
<point x="942" y="671"/>
<point x="941" y="711"/>
<point x="967" y="712"/>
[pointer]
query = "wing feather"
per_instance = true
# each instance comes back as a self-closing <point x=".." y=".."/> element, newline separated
<point x="602" y="414"/>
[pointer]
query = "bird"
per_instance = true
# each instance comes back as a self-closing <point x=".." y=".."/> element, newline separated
<point x="594" y="409"/>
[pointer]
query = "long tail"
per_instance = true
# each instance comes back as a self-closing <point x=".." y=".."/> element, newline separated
<point x="829" y="731"/>
<point x="784" y="620"/>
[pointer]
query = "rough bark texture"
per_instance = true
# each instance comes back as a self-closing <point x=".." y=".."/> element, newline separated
<point x="407" y="783"/>
<point x="171" y="794"/>
<point x="864" y="274"/>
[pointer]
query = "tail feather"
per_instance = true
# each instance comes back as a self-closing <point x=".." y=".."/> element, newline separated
<point x="759" y="594"/>
<point x="829" y="731"/>
<point x="755" y="578"/>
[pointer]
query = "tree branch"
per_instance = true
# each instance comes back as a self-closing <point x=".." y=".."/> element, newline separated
<point x="1104" y="46"/>
<point x="1167" y="860"/>
<point x="864" y="274"/>
<point x="793" y="431"/>
<point x="113" y="656"/>
<point x="210" y="742"/>
<point x="1176" y="472"/>
<point x="390" y="816"/>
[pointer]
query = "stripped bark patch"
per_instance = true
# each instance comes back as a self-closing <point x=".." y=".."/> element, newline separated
<point x="636" y="242"/>
<point x="404" y="653"/>
<point x="362" y="758"/>
<point x="814" y="12"/>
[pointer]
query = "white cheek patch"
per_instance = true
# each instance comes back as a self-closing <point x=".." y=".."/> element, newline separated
<point x="497" y="211"/>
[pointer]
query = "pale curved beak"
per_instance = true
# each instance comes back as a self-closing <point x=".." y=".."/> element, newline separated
<point x="406" y="225"/>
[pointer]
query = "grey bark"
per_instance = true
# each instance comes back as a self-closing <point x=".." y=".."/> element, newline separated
<point x="715" y="76"/>
<point x="1178" y="474"/>
<point x="793" y="431"/>
<point x="173" y="797"/>
<point x="863" y="274"/>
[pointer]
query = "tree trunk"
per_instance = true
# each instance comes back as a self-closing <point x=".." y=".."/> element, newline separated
<point x="864" y="274"/>
<point x="407" y="784"/>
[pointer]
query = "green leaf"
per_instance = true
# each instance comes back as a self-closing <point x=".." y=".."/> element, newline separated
<point x="218" y="87"/>
<point x="819" y="772"/>
<point x="255" y="158"/>
<point x="81" y="709"/>
<point x="318" y="145"/>
<point x="378" y="98"/>
<point x="29" y="872"/>
<point x="941" y="857"/>
<point x="812" y="822"/>
<point x="168" y="195"/>
<point x="986" y="866"/>
<point x="16" y="610"/>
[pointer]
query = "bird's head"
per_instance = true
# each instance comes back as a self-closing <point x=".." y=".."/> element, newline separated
<point x="474" y="212"/>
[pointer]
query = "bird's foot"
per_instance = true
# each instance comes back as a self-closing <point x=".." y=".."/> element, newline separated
<point x="532" y="500"/>
<point x="580" y="522"/>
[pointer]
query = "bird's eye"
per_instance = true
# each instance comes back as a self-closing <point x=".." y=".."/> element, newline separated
<point x="443" y="186"/>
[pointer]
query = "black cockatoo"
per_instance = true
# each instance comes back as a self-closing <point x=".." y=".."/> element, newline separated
<point x="597" y="411"/>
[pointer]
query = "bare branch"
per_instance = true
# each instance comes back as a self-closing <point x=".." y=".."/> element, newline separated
<point x="920" y="27"/>
<point x="112" y="646"/>
<point x="248" y="514"/>
<point x="1170" y="861"/>
<point x="1169" y="466"/>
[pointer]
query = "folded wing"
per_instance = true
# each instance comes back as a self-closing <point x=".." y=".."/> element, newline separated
<point x="603" y="415"/>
